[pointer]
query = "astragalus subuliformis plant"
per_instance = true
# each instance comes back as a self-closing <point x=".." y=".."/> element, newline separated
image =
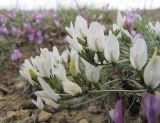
<point x="98" y="62"/>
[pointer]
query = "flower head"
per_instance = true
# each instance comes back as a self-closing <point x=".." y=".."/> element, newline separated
<point x="138" y="54"/>
<point x="111" y="50"/>
<point x="16" y="55"/>
<point x="116" y="113"/>
<point x="152" y="71"/>
<point x="152" y="107"/>
<point x="92" y="72"/>
<point x="95" y="37"/>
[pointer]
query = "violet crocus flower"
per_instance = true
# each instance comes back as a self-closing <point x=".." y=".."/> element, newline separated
<point x="16" y="55"/>
<point x="152" y="107"/>
<point x="116" y="113"/>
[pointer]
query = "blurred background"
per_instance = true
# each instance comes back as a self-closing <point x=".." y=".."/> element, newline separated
<point x="57" y="4"/>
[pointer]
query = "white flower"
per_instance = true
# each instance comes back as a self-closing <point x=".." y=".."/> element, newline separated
<point x="50" y="102"/>
<point x="60" y="72"/>
<point x="55" y="56"/>
<point x="152" y="71"/>
<point x="70" y="30"/>
<point x="120" y="19"/>
<point x="42" y="96"/>
<point x="138" y="54"/>
<point x="73" y="67"/>
<point x="38" y="103"/>
<point x="43" y="62"/>
<point x="46" y="60"/>
<point x="92" y="72"/>
<point x="111" y="50"/>
<point x="73" y="42"/>
<point x="71" y="87"/>
<point x="126" y="33"/>
<point x="68" y="86"/>
<point x="65" y="56"/>
<point x="47" y="91"/>
<point x="95" y="37"/>
<point x="96" y="59"/>
<point x="155" y="28"/>
<point x="81" y="27"/>
<point x="25" y="70"/>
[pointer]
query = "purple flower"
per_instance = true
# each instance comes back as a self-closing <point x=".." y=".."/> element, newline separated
<point x="152" y="107"/>
<point x="1" y="19"/>
<point x="37" y="17"/>
<point x="16" y="55"/>
<point x="39" y="37"/>
<point x="4" y="30"/>
<point x="116" y="113"/>
<point x="57" y="20"/>
<point x="131" y="17"/>
<point x="17" y="31"/>
<point x="31" y="36"/>
<point x="27" y="26"/>
<point x="132" y="31"/>
<point x="65" y="40"/>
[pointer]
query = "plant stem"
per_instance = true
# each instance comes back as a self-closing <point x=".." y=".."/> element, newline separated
<point x="125" y="60"/>
<point x="109" y="82"/>
<point x="128" y="91"/>
<point x="79" y="104"/>
<point x="134" y="82"/>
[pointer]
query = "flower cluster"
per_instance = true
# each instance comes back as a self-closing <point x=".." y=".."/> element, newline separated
<point x="48" y="73"/>
<point x="92" y="49"/>
<point x="35" y="26"/>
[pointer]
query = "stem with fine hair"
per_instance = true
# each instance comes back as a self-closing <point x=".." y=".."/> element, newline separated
<point x="128" y="91"/>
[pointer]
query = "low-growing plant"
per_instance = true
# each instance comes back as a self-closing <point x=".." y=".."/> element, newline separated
<point x="98" y="61"/>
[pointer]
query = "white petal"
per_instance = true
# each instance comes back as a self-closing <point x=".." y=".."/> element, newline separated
<point x="48" y="90"/>
<point x="74" y="43"/>
<point x="60" y="72"/>
<point x="50" y="102"/>
<point x="38" y="103"/>
<point x="70" y="30"/>
<point x="65" y="55"/>
<point x="111" y="114"/>
<point x="81" y="27"/>
<point x="152" y="72"/>
<point x="138" y="54"/>
<point x="95" y="37"/>
<point x="92" y="72"/>
<point x="120" y="19"/>
<point x="111" y="50"/>
<point x="71" y="88"/>
<point x="74" y="67"/>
